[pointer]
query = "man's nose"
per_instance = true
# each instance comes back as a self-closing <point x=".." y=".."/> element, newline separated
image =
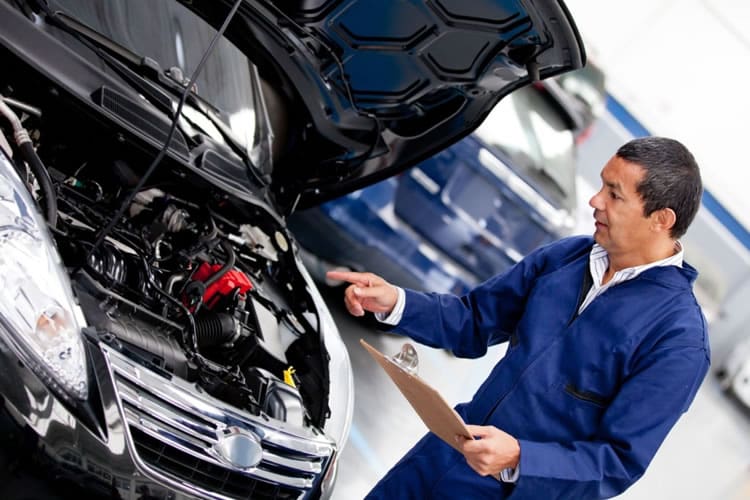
<point x="595" y="201"/>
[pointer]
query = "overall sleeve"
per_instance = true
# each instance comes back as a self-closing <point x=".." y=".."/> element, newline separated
<point x="636" y="422"/>
<point x="485" y="316"/>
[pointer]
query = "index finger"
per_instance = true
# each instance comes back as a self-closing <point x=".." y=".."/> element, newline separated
<point x="350" y="276"/>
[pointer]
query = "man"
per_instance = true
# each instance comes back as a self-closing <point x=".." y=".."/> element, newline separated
<point x="607" y="346"/>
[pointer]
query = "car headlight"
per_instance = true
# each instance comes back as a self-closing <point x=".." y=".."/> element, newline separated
<point x="37" y="311"/>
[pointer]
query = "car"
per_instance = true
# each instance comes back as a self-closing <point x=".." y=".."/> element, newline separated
<point x="468" y="212"/>
<point x="588" y="88"/>
<point x="159" y="334"/>
<point x="734" y="373"/>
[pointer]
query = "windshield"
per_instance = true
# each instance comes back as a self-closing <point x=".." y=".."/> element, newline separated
<point x="175" y="37"/>
<point x="541" y="146"/>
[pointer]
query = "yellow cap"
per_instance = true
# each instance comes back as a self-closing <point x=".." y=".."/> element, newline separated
<point x="288" y="379"/>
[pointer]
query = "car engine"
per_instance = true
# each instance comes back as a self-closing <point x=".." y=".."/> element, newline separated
<point x="189" y="281"/>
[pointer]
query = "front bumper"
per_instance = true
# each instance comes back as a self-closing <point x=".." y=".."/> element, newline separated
<point x="153" y="437"/>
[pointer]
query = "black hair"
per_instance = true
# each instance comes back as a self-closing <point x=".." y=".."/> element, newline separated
<point x="672" y="178"/>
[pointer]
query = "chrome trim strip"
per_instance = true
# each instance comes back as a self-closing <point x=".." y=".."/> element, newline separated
<point x="290" y="463"/>
<point x="178" y="440"/>
<point x="148" y="405"/>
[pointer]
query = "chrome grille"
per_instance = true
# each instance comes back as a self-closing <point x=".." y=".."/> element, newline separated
<point x="174" y="428"/>
<point x="203" y="474"/>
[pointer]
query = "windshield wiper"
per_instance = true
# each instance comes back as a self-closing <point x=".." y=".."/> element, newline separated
<point x="147" y="76"/>
<point x="114" y="54"/>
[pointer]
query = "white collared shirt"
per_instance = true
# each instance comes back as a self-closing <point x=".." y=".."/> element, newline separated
<point x="599" y="262"/>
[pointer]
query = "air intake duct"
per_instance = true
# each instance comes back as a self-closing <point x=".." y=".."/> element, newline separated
<point x="216" y="329"/>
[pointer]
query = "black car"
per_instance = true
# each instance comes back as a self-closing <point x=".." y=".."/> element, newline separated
<point x="159" y="337"/>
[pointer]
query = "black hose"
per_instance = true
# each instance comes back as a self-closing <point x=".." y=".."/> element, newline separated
<point x="228" y="265"/>
<point x="45" y="181"/>
<point x="23" y="141"/>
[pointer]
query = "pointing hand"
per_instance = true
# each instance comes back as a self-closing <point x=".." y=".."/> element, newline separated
<point x="367" y="292"/>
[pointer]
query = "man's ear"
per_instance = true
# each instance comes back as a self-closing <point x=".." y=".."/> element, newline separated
<point x="663" y="219"/>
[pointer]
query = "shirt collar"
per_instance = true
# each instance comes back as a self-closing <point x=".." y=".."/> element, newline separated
<point x="599" y="262"/>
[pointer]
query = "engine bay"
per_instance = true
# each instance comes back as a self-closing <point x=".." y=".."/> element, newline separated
<point x="190" y="281"/>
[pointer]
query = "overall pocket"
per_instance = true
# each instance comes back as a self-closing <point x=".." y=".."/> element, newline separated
<point x="587" y="396"/>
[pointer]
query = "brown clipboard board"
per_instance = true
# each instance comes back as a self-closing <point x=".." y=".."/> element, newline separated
<point x="434" y="411"/>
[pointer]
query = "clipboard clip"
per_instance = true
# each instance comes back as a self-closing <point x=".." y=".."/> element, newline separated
<point x="406" y="359"/>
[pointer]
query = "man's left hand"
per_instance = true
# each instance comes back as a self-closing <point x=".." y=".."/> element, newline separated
<point x="491" y="451"/>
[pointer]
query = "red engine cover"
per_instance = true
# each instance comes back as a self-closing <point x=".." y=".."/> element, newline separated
<point x="225" y="285"/>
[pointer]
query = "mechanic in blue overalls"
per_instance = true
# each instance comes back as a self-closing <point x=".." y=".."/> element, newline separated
<point x="607" y="346"/>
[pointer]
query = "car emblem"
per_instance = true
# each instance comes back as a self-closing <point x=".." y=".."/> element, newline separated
<point x="239" y="448"/>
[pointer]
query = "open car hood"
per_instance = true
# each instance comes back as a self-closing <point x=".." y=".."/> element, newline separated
<point x="359" y="90"/>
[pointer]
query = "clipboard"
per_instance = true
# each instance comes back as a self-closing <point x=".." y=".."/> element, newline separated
<point x="439" y="417"/>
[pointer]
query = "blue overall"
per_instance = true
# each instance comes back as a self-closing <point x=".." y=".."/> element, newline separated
<point x="589" y="397"/>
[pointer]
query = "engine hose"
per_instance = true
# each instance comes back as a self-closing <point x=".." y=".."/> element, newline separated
<point x="215" y="329"/>
<point x="45" y="181"/>
<point x="212" y="234"/>
<point x="32" y="159"/>
<point x="231" y="259"/>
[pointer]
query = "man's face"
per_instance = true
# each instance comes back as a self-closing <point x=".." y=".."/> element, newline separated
<point x="621" y="227"/>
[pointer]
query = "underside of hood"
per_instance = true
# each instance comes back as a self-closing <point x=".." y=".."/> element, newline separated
<point x="359" y="90"/>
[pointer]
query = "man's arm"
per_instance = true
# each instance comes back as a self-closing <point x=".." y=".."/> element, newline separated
<point x="463" y="324"/>
<point x="466" y="325"/>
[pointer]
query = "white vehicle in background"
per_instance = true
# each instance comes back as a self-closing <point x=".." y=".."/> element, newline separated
<point x="734" y="373"/>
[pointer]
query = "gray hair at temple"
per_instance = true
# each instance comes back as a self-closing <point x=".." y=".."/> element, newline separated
<point x="672" y="178"/>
